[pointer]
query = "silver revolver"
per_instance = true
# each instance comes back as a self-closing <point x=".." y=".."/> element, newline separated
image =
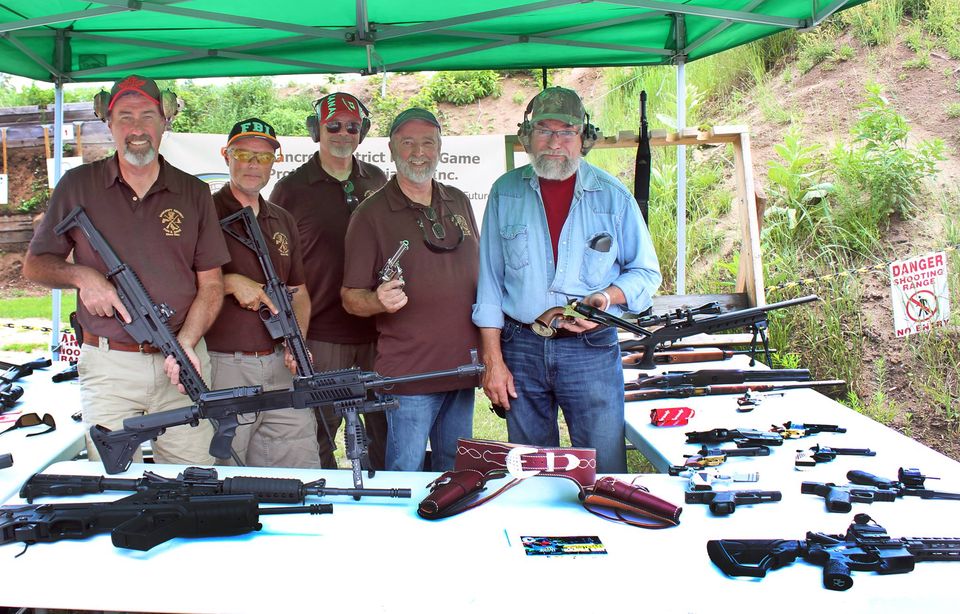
<point x="391" y="269"/>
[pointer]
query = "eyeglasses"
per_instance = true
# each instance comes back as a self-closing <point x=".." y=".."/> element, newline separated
<point x="563" y="135"/>
<point x="243" y="156"/>
<point x="33" y="419"/>
<point x="352" y="201"/>
<point x="439" y="232"/>
<point x="335" y="127"/>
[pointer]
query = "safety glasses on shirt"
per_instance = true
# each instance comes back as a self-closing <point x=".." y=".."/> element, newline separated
<point x="32" y="419"/>
<point x="349" y="197"/>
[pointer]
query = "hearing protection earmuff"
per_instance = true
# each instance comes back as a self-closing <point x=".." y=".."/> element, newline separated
<point x="169" y="104"/>
<point x="313" y="121"/>
<point x="589" y="135"/>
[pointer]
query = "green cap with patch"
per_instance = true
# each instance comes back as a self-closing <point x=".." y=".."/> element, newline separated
<point x="557" y="103"/>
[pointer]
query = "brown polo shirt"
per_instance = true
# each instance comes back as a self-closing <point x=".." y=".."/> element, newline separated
<point x="241" y="330"/>
<point x="165" y="238"/>
<point x="317" y="202"/>
<point x="434" y="329"/>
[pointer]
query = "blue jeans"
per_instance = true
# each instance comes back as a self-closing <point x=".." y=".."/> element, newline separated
<point x="583" y="376"/>
<point x="444" y="417"/>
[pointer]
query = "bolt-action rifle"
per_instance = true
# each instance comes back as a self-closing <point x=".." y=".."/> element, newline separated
<point x="673" y="329"/>
<point x="141" y="520"/>
<point x="195" y="481"/>
<point x="865" y="547"/>
<point x="710" y="377"/>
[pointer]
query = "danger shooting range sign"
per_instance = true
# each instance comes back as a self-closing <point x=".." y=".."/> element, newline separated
<point x="921" y="298"/>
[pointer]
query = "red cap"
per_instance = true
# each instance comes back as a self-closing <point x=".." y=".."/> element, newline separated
<point x="338" y="105"/>
<point x="144" y="86"/>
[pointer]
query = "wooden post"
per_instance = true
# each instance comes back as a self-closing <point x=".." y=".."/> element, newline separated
<point x="46" y="141"/>
<point x="77" y="127"/>
<point x="3" y="140"/>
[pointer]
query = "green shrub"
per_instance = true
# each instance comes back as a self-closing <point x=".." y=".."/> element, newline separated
<point x="39" y="195"/>
<point x="464" y="87"/>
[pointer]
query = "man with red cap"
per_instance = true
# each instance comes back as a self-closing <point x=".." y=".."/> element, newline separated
<point x="161" y="222"/>
<point x="321" y="194"/>
<point x="242" y="352"/>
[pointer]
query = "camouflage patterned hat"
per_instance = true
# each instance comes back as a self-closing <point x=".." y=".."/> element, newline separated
<point x="558" y="103"/>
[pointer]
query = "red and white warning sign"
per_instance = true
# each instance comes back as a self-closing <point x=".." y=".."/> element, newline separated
<point x="69" y="350"/>
<point x="921" y="297"/>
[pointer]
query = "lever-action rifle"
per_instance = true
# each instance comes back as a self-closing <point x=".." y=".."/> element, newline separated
<point x="754" y="317"/>
<point x="195" y="481"/>
<point x="142" y="520"/>
<point x="865" y="547"/>
<point x="681" y="392"/>
<point x="344" y="390"/>
<point x="669" y="357"/>
<point x="149" y="321"/>
<point x="709" y="377"/>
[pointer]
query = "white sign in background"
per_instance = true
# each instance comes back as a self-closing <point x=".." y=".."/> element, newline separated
<point x="469" y="163"/>
<point x="65" y="165"/>
<point x="920" y="293"/>
<point x="4" y="196"/>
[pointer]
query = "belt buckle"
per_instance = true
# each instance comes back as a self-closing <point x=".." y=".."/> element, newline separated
<point x="514" y="462"/>
<point x="141" y="348"/>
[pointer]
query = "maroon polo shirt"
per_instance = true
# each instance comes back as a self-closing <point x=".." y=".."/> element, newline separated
<point x="318" y="204"/>
<point x="165" y="238"/>
<point x="434" y="330"/>
<point x="241" y="330"/>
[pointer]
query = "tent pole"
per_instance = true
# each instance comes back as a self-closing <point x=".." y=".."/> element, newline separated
<point x="57" y="171"/>
<point x="681" y="180"/>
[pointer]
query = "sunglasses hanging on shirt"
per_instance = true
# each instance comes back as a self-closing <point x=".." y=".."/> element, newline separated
<point x="349" y="197"/>
<point x="438" y="230"/>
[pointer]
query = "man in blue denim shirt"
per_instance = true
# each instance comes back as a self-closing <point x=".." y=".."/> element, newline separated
<point x="555" y="229"/>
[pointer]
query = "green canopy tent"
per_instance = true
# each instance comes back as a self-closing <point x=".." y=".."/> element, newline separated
<point x="63" y="41"/>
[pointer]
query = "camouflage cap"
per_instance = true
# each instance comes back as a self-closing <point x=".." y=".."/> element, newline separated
<point x="557" y="103"/>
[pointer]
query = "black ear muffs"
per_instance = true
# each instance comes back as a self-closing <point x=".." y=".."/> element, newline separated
<point x="589" y="135"/>
<point x="169" y="105"/>
<point x="313" y="121"/>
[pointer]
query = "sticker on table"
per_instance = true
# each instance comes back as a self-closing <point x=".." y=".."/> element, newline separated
<point x="556" y="546"/>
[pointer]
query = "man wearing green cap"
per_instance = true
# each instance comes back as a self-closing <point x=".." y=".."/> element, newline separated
<point x="423" y="319"/>
<point x="559" y="228"/>
<point x="242" y="352"/>
<point x="161" y="223"/>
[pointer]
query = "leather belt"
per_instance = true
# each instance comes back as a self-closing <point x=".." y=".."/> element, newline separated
<point x="258" y="353"/>
<point x="143" y="348"/>
<point x="479" y="461"/>
<point x="561" y="333"/>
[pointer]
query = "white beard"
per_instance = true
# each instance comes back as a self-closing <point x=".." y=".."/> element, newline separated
<point x="557" y="170"/>
<point x="140" y="159"/>
<point x="341" y="151"/>
<point x="416" y="174"/>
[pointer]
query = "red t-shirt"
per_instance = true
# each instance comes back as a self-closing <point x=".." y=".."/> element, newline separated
<point x="557" y="196"/>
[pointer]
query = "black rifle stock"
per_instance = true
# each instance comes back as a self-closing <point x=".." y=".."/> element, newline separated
<point x="865" y="547"/>
<point x="345" y="391"/>
<point x="282" y="325"/>
<point x="195" y="481"/>
<point x="142" y="520"/>
<point x="10" y="393"/>
<point x="148" y="319"/>
<point x="753" y="317"/>
<point x="641" y="174"/>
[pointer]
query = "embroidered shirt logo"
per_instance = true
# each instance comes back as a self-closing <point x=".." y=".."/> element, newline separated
<point x="282" y="243"/>
<point x="172" y="221"/>
<point x="461" y="221"/>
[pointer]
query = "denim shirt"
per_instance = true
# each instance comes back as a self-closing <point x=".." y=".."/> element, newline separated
<point x="603" y="242"/>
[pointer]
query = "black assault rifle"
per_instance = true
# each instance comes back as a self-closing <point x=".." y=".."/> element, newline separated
<point x="10" y="392"/>
<point x="142" y="520"/>
<point x="196" y="481"/>
<point x="865" y="547"/>
<point x="148" y="320"/>
<point x="344" y="390"/>
<point x="678" y="328"/>
<point x="282" y="325"/>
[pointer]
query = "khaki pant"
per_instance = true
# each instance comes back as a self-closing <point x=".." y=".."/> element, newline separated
<point x="332" y="357"/>
<point x="116" y="385"/>
<point x="277" y="438"/>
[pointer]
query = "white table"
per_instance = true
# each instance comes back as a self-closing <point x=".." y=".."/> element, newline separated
<point x="32" y="454"/>
<point x="377" y="555"/>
